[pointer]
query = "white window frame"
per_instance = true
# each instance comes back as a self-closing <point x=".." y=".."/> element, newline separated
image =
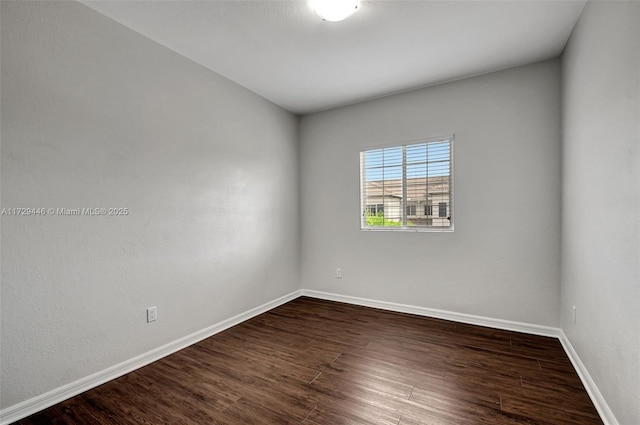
<point x="403" y="208"/>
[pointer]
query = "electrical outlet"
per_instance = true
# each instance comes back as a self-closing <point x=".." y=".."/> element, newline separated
<point x="152" y="314"/>
<point x="574" y="314"/>
<point x="338" y="272"/>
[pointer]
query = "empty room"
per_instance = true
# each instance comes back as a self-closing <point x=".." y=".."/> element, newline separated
<point x="320" y="212"/>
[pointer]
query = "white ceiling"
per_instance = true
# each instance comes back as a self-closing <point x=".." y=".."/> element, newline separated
<point x="284" y="52"/>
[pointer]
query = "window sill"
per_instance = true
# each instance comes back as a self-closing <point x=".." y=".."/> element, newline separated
<point x="407" y="229"/>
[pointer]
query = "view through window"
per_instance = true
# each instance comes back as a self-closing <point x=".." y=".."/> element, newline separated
<point x="400" y="186"/>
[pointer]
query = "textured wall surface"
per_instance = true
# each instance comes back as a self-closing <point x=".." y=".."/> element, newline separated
<point x="97" y="116"/>
<point x="502" y="261"/>
<point x="601" y="200"/>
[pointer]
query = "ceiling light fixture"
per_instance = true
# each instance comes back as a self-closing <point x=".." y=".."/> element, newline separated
<point x="335" y="10"/>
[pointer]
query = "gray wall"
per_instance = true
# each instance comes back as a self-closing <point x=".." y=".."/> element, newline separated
<point x="502" y="261"/>
<point x="95" y="115"/>
<point x="601" y="200"/>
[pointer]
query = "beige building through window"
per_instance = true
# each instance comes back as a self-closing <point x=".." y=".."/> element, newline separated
<point x="427" y="204"/>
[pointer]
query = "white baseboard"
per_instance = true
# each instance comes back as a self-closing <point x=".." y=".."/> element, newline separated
<point x="601" y="405"/>
<point x="57" y="395"/>
<point x="438" y="314"/>
<point x="596" y="397"/>
<point x="38" y="403"/>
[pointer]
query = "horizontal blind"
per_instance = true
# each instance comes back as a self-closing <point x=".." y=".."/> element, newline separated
<point x="407" y="186"/>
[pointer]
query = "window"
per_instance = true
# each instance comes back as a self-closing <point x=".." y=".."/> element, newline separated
<point x="406" y="181"/>
<point x="442" y="209"/>
<point x="375" y="209"/>
<point x="428" y="209"/>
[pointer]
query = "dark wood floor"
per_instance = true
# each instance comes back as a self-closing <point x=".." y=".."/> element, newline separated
<point x="320" y="362"/>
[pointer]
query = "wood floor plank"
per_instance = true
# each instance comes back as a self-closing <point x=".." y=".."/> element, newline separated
<point x="319" y="362"/>
<point x="49" y="416"/>
<point x="352" y="412"/>
<point x="462" y="388"/>
<point x="560" y="414"/>
<point x="384" y="364"/>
